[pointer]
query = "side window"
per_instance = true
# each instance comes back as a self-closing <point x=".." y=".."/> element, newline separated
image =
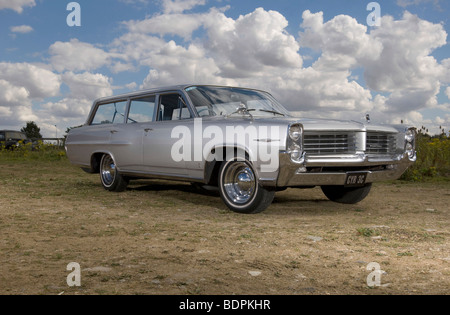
<point x="2" y="137"/>
<point x="110" y="113"/>
<point x="172" y="107"/>
<point x="142" y="110"/>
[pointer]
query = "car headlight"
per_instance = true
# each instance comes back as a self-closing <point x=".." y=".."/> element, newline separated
<point x="410" y="136"/>
<point x="410" y="143"/>
<point x="295" y="142"/>
<point x="296" y="152"/>
<point x="295" y="132"/>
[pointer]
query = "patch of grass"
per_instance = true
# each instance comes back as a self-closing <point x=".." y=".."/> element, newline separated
<point x="58" y="256"/>
<point x="433" y="159"/>
<point x="404" y="254"/>
<point x="366" y="232"/>
<point x="30" y="152"/>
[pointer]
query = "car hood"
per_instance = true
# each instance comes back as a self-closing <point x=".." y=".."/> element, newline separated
<point x="309" y="124"/>
<point x="317" y="124"/>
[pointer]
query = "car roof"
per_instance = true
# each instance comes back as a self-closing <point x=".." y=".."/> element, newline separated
<point x="137" y="93"/>
<point x="158" y="90"/>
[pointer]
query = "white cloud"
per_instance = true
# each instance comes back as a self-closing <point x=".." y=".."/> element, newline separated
<point x="87" y="85"/>
<point x="164" y="25"/>
<point x="135" y="47"/>
<point x="179" y="6"/>
<point x="405" y="59"/>
<point x="16" y="116"/>
<point x="173" y="64"/>
<point x="396" y="58"/>
<point x="405" y="67"/>
<point x="20" y="85"/>
<point x="344" y="42"/>
<point x="22" y="29"/>
<point x="39" y="82"/>
<point x="439" y="121"/>
<point x="131" y="86"/>
<point x="66" y="108"/>
<point x="77" y="56"/>
<point x="254" y="43"/>
<point x="406" y="3"/>
<point x="16" y="5"/>
<point x="135" y="1"/>
<point x="12" y="95"/>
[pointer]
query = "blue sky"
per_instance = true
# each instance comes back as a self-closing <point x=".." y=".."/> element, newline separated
<point x="318" y="57"/>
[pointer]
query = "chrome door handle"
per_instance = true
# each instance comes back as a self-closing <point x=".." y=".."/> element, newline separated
<point x="148" y="129"/>
<point x="114" y="131"/>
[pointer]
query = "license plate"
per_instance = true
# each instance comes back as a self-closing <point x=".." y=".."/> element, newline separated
<point x="356" y="179"/>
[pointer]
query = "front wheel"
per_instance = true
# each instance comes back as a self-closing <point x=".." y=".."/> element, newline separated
<point x="111" y="178"/>
<point x="240" y="189"/>
<point x="346" y="195"/>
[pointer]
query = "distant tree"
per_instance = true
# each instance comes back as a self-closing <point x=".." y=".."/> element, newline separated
<point x="32" y="130"/>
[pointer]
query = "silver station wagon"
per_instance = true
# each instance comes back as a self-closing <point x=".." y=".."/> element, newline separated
<point x="241" y="141"/>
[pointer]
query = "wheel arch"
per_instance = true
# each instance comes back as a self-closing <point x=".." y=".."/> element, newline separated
<point x="96" y="158"/>
<point x="212" y="164"/>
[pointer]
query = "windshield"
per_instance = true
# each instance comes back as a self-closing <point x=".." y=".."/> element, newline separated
<point x="226" y="101"/>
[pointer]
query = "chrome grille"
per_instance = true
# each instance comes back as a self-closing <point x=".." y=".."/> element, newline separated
<point x="381" y="143"/>
<point x="329" y="143"/>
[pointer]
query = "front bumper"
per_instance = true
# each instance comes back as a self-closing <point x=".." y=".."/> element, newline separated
<point x="333" y="170"/>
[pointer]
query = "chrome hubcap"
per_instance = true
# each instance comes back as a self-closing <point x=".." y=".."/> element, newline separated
<point x="108" y="170"/>
<point x="239" y="183"/>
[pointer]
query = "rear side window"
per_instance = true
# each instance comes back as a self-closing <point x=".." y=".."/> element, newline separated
<point x="110" y="113"/>
<point x="2" y="137"/>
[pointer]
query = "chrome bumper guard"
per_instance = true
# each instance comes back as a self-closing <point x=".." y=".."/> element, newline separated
<point x="333" y="170"/>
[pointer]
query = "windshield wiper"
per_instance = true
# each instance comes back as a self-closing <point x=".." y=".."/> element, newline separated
<point x="267" y="111"/>
<point x="241" y="110"/>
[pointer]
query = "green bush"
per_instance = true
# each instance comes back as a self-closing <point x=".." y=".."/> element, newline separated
<point x="433" y="158"/>
<point x="33" y="151"/>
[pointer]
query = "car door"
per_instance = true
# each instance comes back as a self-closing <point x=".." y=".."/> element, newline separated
<point x="108" y="118"/>
<point x="158" y="143"/>
<point x="127" y="139"/>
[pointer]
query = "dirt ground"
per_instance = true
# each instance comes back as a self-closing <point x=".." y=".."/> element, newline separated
<point x="168" y="238"/>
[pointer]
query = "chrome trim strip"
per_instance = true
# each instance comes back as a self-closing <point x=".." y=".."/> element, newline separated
<point x="162" y="176"/>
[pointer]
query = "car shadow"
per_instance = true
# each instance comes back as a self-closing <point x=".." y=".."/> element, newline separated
<point x="211" y="197"/>
<point x="160" y="186"/>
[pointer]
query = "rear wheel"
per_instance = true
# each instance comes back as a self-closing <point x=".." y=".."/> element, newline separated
<point x="240" y="190"/>
<point x="111" y="178"/>
<point x="346" y="195"/>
